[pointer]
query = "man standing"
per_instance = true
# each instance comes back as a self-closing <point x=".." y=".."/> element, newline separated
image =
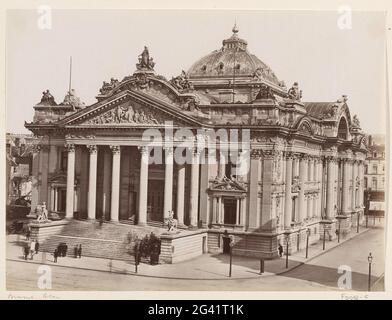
<point x="280" y="249"/>
<point x="32" y="249"/>
<point x="36" y="247"/>
<point x="80" y="251"/>
<point x="55" y="255"/>
<point x="25" y="251"/>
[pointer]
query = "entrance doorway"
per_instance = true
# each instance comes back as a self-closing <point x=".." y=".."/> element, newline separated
<point x="155" y="200"/>
<point x="230" y="210"/>
<point x="61" y="196"/>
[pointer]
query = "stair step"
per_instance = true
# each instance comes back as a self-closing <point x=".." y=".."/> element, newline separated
<point x="109" y="240"/>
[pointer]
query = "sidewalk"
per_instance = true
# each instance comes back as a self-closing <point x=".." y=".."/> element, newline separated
<point x="205" y="267"/>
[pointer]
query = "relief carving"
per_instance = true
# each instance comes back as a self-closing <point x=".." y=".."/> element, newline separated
<point x="125" y="114"/>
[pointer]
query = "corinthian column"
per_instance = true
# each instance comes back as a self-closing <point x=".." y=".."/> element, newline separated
<point x="288" y="205"/>
<point x="194" y="192"/>
<point x="34" y="177"/>
<point x="69" y="207"/>
<point x="168" y="193"/>
<point x="143" y="186"/>
<point x="115" y="197"/>
<point x="330" y="188"/>
<point x="354" y="177"/>
<point x="303" y="172"/>
<point x="92" y="182"/>
<point x="180" y="194"/>
<point x="346" y="186"/>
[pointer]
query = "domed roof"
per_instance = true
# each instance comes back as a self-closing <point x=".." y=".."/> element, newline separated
<point x="232" y="59"/>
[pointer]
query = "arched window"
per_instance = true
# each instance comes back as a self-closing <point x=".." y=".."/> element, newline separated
<point x="343" y="129"/>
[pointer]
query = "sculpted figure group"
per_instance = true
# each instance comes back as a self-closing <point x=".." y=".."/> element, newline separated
<point x="125" y="114"/>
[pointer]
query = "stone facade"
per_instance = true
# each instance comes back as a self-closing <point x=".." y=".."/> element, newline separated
<point x="304" y="159"/>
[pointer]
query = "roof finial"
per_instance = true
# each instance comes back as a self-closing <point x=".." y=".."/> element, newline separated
<point x="235" y="28"/>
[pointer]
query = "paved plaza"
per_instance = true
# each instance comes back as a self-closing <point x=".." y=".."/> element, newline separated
<point x="209" y="272"/>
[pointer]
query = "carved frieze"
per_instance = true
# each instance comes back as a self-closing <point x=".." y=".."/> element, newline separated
<point x="127" y="114"/>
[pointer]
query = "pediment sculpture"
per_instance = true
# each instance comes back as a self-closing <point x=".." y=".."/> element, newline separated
<point x="182" y="82"/>
<point x="265" y="92"/>
<point x="226" y="184"/>
<point x="125" y="114"/>
<point x="356" y="122"/>
<point x="108" y="87"/>
<point x="294" y="93"/>
<point x="47" y="99"/>
<point x="145" y="61"/>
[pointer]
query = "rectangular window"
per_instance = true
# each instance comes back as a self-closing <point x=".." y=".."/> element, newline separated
<point x="375" y="169"/>
<point x="374" y="183"/>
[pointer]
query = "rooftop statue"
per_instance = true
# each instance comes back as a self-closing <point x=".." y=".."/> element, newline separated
<point x="181" y="82"/>
<point x="294" y="93"/>
<point x="356" y="122"/>
<point x="48" y="99"/>
<point x="71" y="99"/>
<point x="145" y="62"/>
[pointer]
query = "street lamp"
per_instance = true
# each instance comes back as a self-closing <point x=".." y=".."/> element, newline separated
<point x="324" y="236"/>
<point x="358" y="215"/>
<point x="307" y="241"/>
<point x="231" y="252"/>
<point x="287" y="249"/>
<point x="338" y="231"/>
<point x="370" y="259"/>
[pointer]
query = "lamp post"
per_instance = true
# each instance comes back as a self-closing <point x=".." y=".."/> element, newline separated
<point x="339" y="231"/>
<point x="370" y="259"/>
<point x="231" y="253"/>
<point x="307" y="242"/>
<point x="358" y="213"/>
<point x="324" y="237"/>
<point x="261" y="266"/>
<point x="287" y="249"/>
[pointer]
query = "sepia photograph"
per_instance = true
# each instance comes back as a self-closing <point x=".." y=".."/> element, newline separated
<point x="195" y="150"/>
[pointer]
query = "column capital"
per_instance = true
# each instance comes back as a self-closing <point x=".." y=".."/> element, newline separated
<point x="330" y="158"/>
<point x="36" y="148"/>
<point x="289" y="155"/>
<point x="92" y="148"/>
<point x="256" y="153"/>
<point x="143" y="150"/>
<point x="70" y="147"/>
<point x="115" y="149"/>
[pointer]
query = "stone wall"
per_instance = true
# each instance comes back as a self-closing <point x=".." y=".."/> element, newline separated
<point x="182" y="246"/>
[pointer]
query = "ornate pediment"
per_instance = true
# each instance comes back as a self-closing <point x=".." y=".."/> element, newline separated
<point x="178" y="92"/>
<point x="226" y="184"/>
<point x="125" y="111"/>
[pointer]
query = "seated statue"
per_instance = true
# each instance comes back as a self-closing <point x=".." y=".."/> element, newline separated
<point x="42" y="213"/>
<point x="171" y="222"/>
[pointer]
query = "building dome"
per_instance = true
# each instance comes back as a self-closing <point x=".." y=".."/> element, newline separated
<point x="233" y="59"/>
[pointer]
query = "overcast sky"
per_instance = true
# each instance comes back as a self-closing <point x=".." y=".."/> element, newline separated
<point x="307" y="47"/>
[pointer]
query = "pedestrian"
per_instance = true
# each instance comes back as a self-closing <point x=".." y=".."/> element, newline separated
<point x="26" y="251"/>
<point x="76" y="251"/>
<point x="55" y="255"/>
<point x="65" y="249"/>
<point x="101" y="221"/>
<point x="36" y="247"/>
<point x="280" y="249"/>
<point x="80" y="251"/>
<point x="32" y="249"/>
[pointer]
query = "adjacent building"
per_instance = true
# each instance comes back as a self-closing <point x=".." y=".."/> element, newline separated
<point x="375" y="164"/>
<point x="304" y="161"/>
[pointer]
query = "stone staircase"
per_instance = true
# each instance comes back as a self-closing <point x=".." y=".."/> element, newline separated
<point x="108" y="241"/>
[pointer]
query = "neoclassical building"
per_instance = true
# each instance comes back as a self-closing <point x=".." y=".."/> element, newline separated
<point x="306" y="159"/>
